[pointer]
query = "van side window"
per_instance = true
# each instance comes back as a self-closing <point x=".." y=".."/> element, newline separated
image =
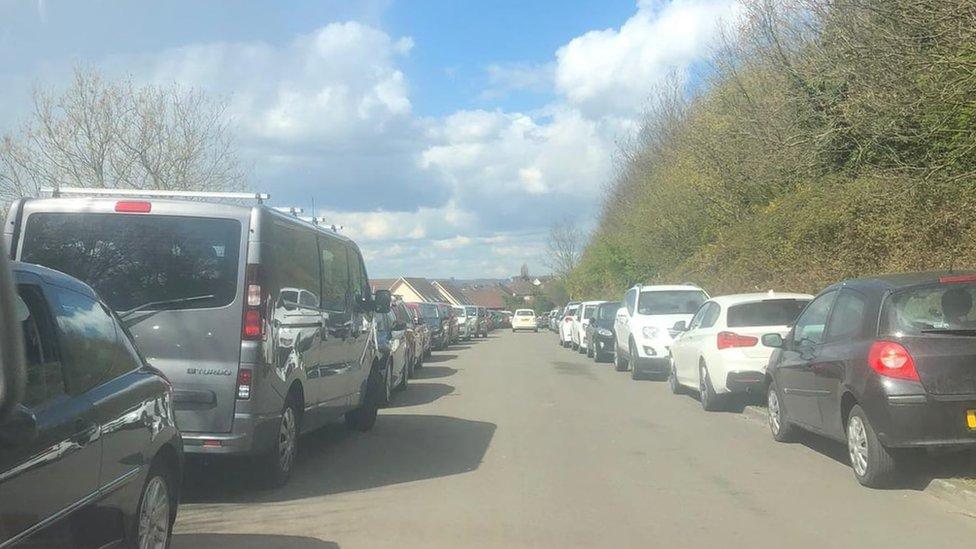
<point x="295" y="256"/>
<point x="335" y="275"/>
<point x="45" y="376"/>
<point x="360" y="282"/>
<point x="88" y="339"/>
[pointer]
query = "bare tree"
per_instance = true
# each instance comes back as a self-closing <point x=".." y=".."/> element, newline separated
<point x="114" y="134"/>
<point x="564" y="248"/>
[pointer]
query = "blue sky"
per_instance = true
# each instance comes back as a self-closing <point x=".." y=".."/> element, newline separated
<point x="446" y="136"/>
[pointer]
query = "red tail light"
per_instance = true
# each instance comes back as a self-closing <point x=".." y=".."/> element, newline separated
<point x="133" y="206"/>
<point x="891" y="359"/>
<point x="253" y="300"/>
<point x="244" y="383"/>
<point x="957" y="279"/>
<point x="728" y="340"/>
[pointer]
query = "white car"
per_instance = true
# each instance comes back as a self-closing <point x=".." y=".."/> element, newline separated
<point x="720" y="352"/>
<point x="565" y="324"/>
<point x="524" y="319"/>
<point x="587" y="313"/>
<point x="644" y="326"/>
<point x="465" y="323"/>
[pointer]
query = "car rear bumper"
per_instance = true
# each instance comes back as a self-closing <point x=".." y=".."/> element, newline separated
<point x="925" y="421"/>
<point x="252" y="435"/>
<point x="748" y="381"/>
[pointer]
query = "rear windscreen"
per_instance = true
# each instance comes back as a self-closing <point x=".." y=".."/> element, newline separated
<point x="428" y="310"/>
<point x="133" y="260"/>
<point x="772" y="312"/>
<point x="608" y="311"/>
<point x="670" y="302"/>
<point x="942" y="308"/>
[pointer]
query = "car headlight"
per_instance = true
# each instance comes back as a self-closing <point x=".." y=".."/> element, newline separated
<point x="604" y="332"/>
<point x="650" y="332"/>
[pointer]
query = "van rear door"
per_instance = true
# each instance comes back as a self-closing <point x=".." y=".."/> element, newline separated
<point x="174" y="279"/>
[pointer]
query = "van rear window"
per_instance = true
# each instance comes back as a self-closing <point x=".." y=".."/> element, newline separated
<point x="135" y="260"/>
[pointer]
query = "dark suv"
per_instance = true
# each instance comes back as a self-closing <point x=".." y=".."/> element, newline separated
<point x="886" y="364"/>
<point x="89" y="453"/>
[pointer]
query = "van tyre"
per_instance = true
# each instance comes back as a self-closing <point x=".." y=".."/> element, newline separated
<point x="157" y="509"/>
<point x="780" y="427"/>
<point x="873" y="464"/>
<point x="363" y="419"/>
<point x="282" y="457"/>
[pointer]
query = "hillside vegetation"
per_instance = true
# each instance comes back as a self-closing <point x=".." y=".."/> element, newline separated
<point x="834" y="139"/>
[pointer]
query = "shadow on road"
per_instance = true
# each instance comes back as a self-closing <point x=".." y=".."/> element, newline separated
<point x="418" y="393"/>
<point x="434" y="372"/>
<point x="248" y="541"/>
<point x="401" y="448"/>
<point x="434" y="359"/>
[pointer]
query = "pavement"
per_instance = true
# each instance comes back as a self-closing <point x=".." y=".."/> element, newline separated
<point x="513" y="441"/>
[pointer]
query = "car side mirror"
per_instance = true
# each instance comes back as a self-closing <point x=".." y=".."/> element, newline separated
<point x="773" y="340"/>
<point x="19" y="427"/>
<point x="382" y="301"/>
<point x="13" y="372"/>
<point x="680" y="326"/>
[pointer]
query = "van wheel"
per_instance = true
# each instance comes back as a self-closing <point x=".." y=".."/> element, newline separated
<point x="282" y="457"/>
<point x="364" y="418"/>
<point x="873" y="464"/>
<point x="157" y="509"/>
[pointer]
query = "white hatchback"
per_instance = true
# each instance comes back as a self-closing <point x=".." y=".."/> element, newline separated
<point x="524" y="319"/>
<point x="719" y="352"/>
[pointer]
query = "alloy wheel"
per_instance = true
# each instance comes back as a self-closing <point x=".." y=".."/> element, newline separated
<point x="287" y="435"/>
<point x="154" y="515"/>
<point x="772" y="407"/>
<point x="703" y="386"/>
<point x="673" y="378"/>
<point x="857" y="445"/>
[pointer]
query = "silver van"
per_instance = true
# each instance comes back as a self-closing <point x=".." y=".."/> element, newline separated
<point x="262" y="321"/>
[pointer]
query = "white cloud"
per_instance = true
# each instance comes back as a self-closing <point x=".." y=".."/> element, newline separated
<point x="611" y="71"/>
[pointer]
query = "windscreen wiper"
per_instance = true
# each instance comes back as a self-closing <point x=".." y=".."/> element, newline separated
<point x="164" y="303"/>
<point x="951" y="331"/>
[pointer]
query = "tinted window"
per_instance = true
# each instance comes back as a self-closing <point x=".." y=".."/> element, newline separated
<point x="771" y="312"/>
<point x="670" y="302"/>
<point x="131" y="260"/>
<point x="810" y="325"/>
<point x="607" y="311"/>
<point x="712" y="311"/>
<point x="294" y="263"/>
<point x="930" y="309"/>
<point x="335" y="275"/>
<point x="589" y="312"/>
<point x="359" y="282"/>
<point x="45" y="376"/>
<point x="847" y="318"/>
<point x="87" y="337"/>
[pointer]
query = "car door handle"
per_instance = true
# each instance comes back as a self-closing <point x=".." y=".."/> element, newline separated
<point x="86" y="432"/>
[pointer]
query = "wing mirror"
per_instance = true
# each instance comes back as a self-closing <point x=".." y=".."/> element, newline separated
<point x="19" y="427"/>
<point x="680" y="326"/>
<point x="382" y="301"/>
<point x="773" y="340"/>
<point x="13" y="371"/>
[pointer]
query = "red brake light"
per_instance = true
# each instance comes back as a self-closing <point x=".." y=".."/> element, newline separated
<point x="253" y="328"/>
<point x="252" y="324"/>
<point x="244" y="383"/>
<point x="133" y="206"/>
<point x="728" y="340"/>
<point x="957" y="279"/>
<point x="891" y="359"/>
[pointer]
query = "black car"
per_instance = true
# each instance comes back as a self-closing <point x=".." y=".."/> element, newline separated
<point x="90" y="455"/>
<point x="599" y="332"/>
<point x="886" y="364"/>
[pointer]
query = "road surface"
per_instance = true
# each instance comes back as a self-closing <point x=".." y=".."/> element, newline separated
<point x="515" y="442"/>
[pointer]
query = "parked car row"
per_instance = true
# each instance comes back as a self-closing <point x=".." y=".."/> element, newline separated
<point x="158" y="330"/>
<point x="884" y="364"/>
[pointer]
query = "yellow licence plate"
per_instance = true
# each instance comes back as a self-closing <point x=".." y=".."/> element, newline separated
<point x="971" y="419"/>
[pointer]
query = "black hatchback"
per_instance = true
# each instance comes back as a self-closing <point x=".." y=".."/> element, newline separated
<point x="89" y="453"/>
<point x="886" y="364"/>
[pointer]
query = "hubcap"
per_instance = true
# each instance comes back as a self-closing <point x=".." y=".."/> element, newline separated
<point x="154" y="515"/>
<point x="857" y="445"/>
<point x="772" y="405"/>
<point x="286" y="440"/>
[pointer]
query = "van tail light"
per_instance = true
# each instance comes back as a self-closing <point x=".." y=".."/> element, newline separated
<point x="729" y="340"/>
<point x="253" y="300"/>
<point x="891" y="359"/>
<point x="133" y="206"/>
<point x="244" y="376"/>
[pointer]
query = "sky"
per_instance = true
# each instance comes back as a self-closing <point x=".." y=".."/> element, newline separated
<point x="444" y="136"/>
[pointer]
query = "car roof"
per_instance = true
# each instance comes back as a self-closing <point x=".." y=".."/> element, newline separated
<point x="591" y="303"/>
<point x="898" y="281"/>
<point x="666" y="287"/>
<point x="734" y="299"/>
<point x="54" y="278"/>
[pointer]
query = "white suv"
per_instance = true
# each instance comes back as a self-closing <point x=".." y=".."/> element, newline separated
<point x="645" y="325"/>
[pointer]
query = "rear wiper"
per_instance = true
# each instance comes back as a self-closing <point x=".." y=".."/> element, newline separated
<point x="951" y="331"/>
<point x="164" y="303"/>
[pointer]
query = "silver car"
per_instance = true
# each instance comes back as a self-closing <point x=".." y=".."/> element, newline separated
<point x="262" y="321"/>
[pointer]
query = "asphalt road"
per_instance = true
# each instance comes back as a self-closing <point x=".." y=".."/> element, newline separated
<point x="515" y="442"/>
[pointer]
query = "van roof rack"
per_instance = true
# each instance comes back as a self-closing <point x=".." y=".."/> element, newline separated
<point x="59" y="191"/>
<point x="290" y="210"/>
